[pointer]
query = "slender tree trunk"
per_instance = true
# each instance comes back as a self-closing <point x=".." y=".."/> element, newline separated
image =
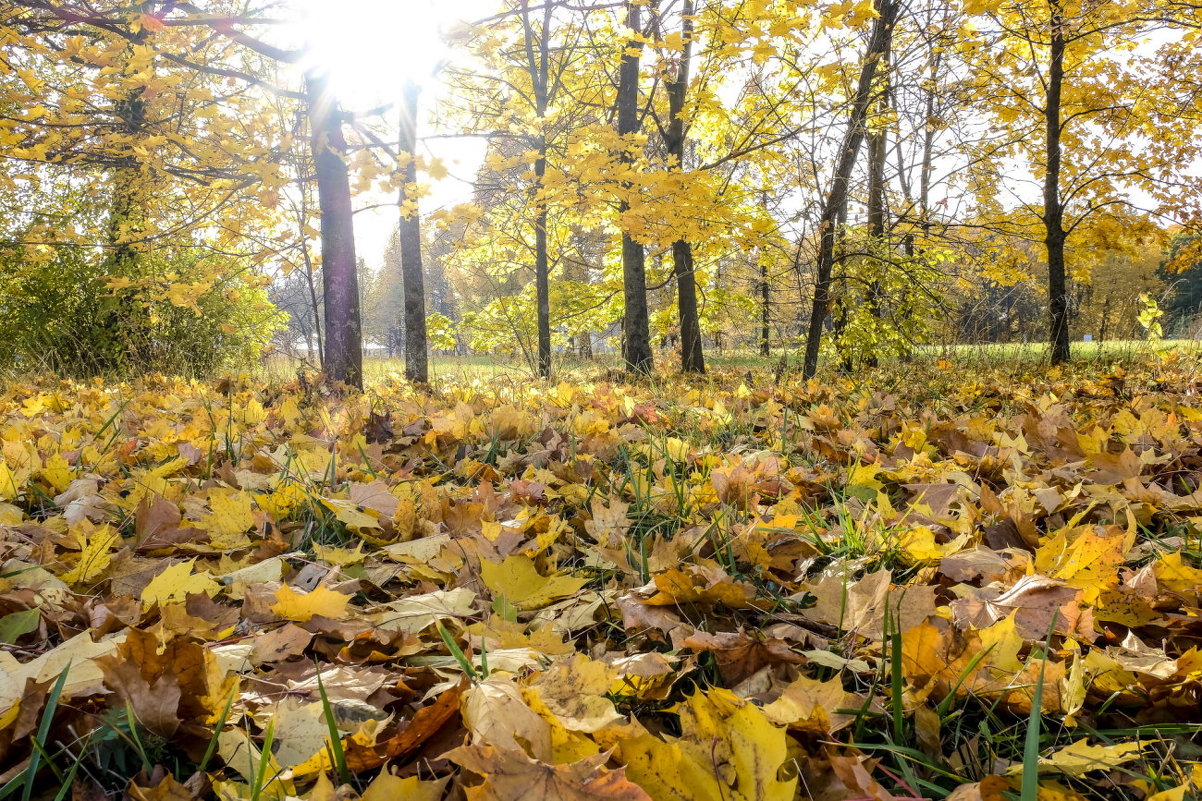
<point x="928" y="144"/>
<point x="339" y="275"/>
<point x="765" y="309"/>
<point x="876" y="186"/>
<point x="538" y="62"/>
<point x="836" y="199"/>
<point x="692" y="355"/>
<point x="413" y="278"/>
<point x="1053" y="208"/>
<point x="315" y="306"/>
<point x="877" y="212"/>
<point x="542" y="270"/>
<point x="636" y="342"/>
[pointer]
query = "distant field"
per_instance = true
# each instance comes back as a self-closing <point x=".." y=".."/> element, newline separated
<point x="480" y="367"/>
<point x="1118" y="349"/>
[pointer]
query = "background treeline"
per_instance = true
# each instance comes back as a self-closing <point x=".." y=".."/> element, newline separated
<point x="660" y="178"/>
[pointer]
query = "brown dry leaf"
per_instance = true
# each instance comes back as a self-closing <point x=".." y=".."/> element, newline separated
<point x="812" y="706"/>
<point x="279" y="644"/>
<point x="700" y="585"/>
<point x="513" y="776"/>
<point x="155" y="704"/>
<point x="861" y="605"/>
<point x="739" y="655"/>
<point x="376" y="496"/>
<point x="496" y="714"/>
<point x="574" y="691"/>
<point x="411" y="734"/>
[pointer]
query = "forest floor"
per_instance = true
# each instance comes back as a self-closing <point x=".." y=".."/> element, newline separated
<point x="931" y="581"/>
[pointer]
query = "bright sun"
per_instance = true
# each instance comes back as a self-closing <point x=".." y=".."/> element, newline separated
<point x="370" y="47"/>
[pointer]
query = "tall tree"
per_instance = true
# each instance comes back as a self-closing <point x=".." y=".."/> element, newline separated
<point x="636" y="337"/>
<point x="1058" y="72"/>
<point x="1053" y="204"/>
<point x="339" y="267"/>
<point x="410" y="229"/>
<point x="538" y="61"/>
<point x="692" y="357"/>
<point x="834" y="207"/>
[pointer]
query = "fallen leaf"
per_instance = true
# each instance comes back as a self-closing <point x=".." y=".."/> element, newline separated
<point x="304" y="606"/>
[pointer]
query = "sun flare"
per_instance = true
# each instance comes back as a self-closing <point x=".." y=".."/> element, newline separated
<point x="370" y="47"/>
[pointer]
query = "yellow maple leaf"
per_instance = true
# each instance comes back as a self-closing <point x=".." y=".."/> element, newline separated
<point x="304" y="606"/>
<point x="436" y="169"/>
<point x="1079" y="758"/>
<point x="727" y="750"/>
<point x="58" y="472"/>
<point x="8" y="483"/>
<point x="176" y="583"/>
<point x="1175" y="575"/>
<point x="350" y="514"/>
<point x="386" y="787"/>
<point x="520" y="582"/>
<point x="231" y="513"/>
<point x="809" y="705"/>
<point x="95" y="557"/>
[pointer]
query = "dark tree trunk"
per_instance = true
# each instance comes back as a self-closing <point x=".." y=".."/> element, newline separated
<point x="765" y="309"/>
<point x="417" y="367"/>
<point x="877" y="213"/>
<point x="692" y="355"/>
<point x="636" y="340"/>
<point x="538" y="62"/>
<point x="836" y="200"/>
<point x="1053" y="207"/>
<point x="542" y="274"/>
<point x="339" y="275"/>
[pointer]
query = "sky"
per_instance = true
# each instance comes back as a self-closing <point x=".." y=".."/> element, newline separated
<point x="370" y="47"/>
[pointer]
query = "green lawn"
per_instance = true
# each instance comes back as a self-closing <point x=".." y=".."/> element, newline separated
<point x="485" y="368"/>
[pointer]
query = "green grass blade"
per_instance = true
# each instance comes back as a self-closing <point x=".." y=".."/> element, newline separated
<point x="336" y="750"/>
<point x="35" y="759"/>
<point x="225" y="713"/>
<point x="465" y="664"/>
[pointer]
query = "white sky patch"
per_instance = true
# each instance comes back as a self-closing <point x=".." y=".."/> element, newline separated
<point x="370" y="48"/>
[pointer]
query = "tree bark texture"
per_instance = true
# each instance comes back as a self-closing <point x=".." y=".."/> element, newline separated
<point x="339" y="272"/>
<point x="417" y="364"/>
<point x="636" y="339"/>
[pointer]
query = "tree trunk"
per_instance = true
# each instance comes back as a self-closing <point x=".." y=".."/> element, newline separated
<point x="836" y="199"/>
<point x="876" y="218"/>
<point x="692" y="355"/>
<point x="339" y="276"/>
<point x="542" y="271"/>
<point x="539" y="65"/>
<point x="636" y="342"/>
<point x="1053" y="208"/>
<point x="311" y="285"/>
<point x="765" y="309"/>
<point x="417" y="366"/>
